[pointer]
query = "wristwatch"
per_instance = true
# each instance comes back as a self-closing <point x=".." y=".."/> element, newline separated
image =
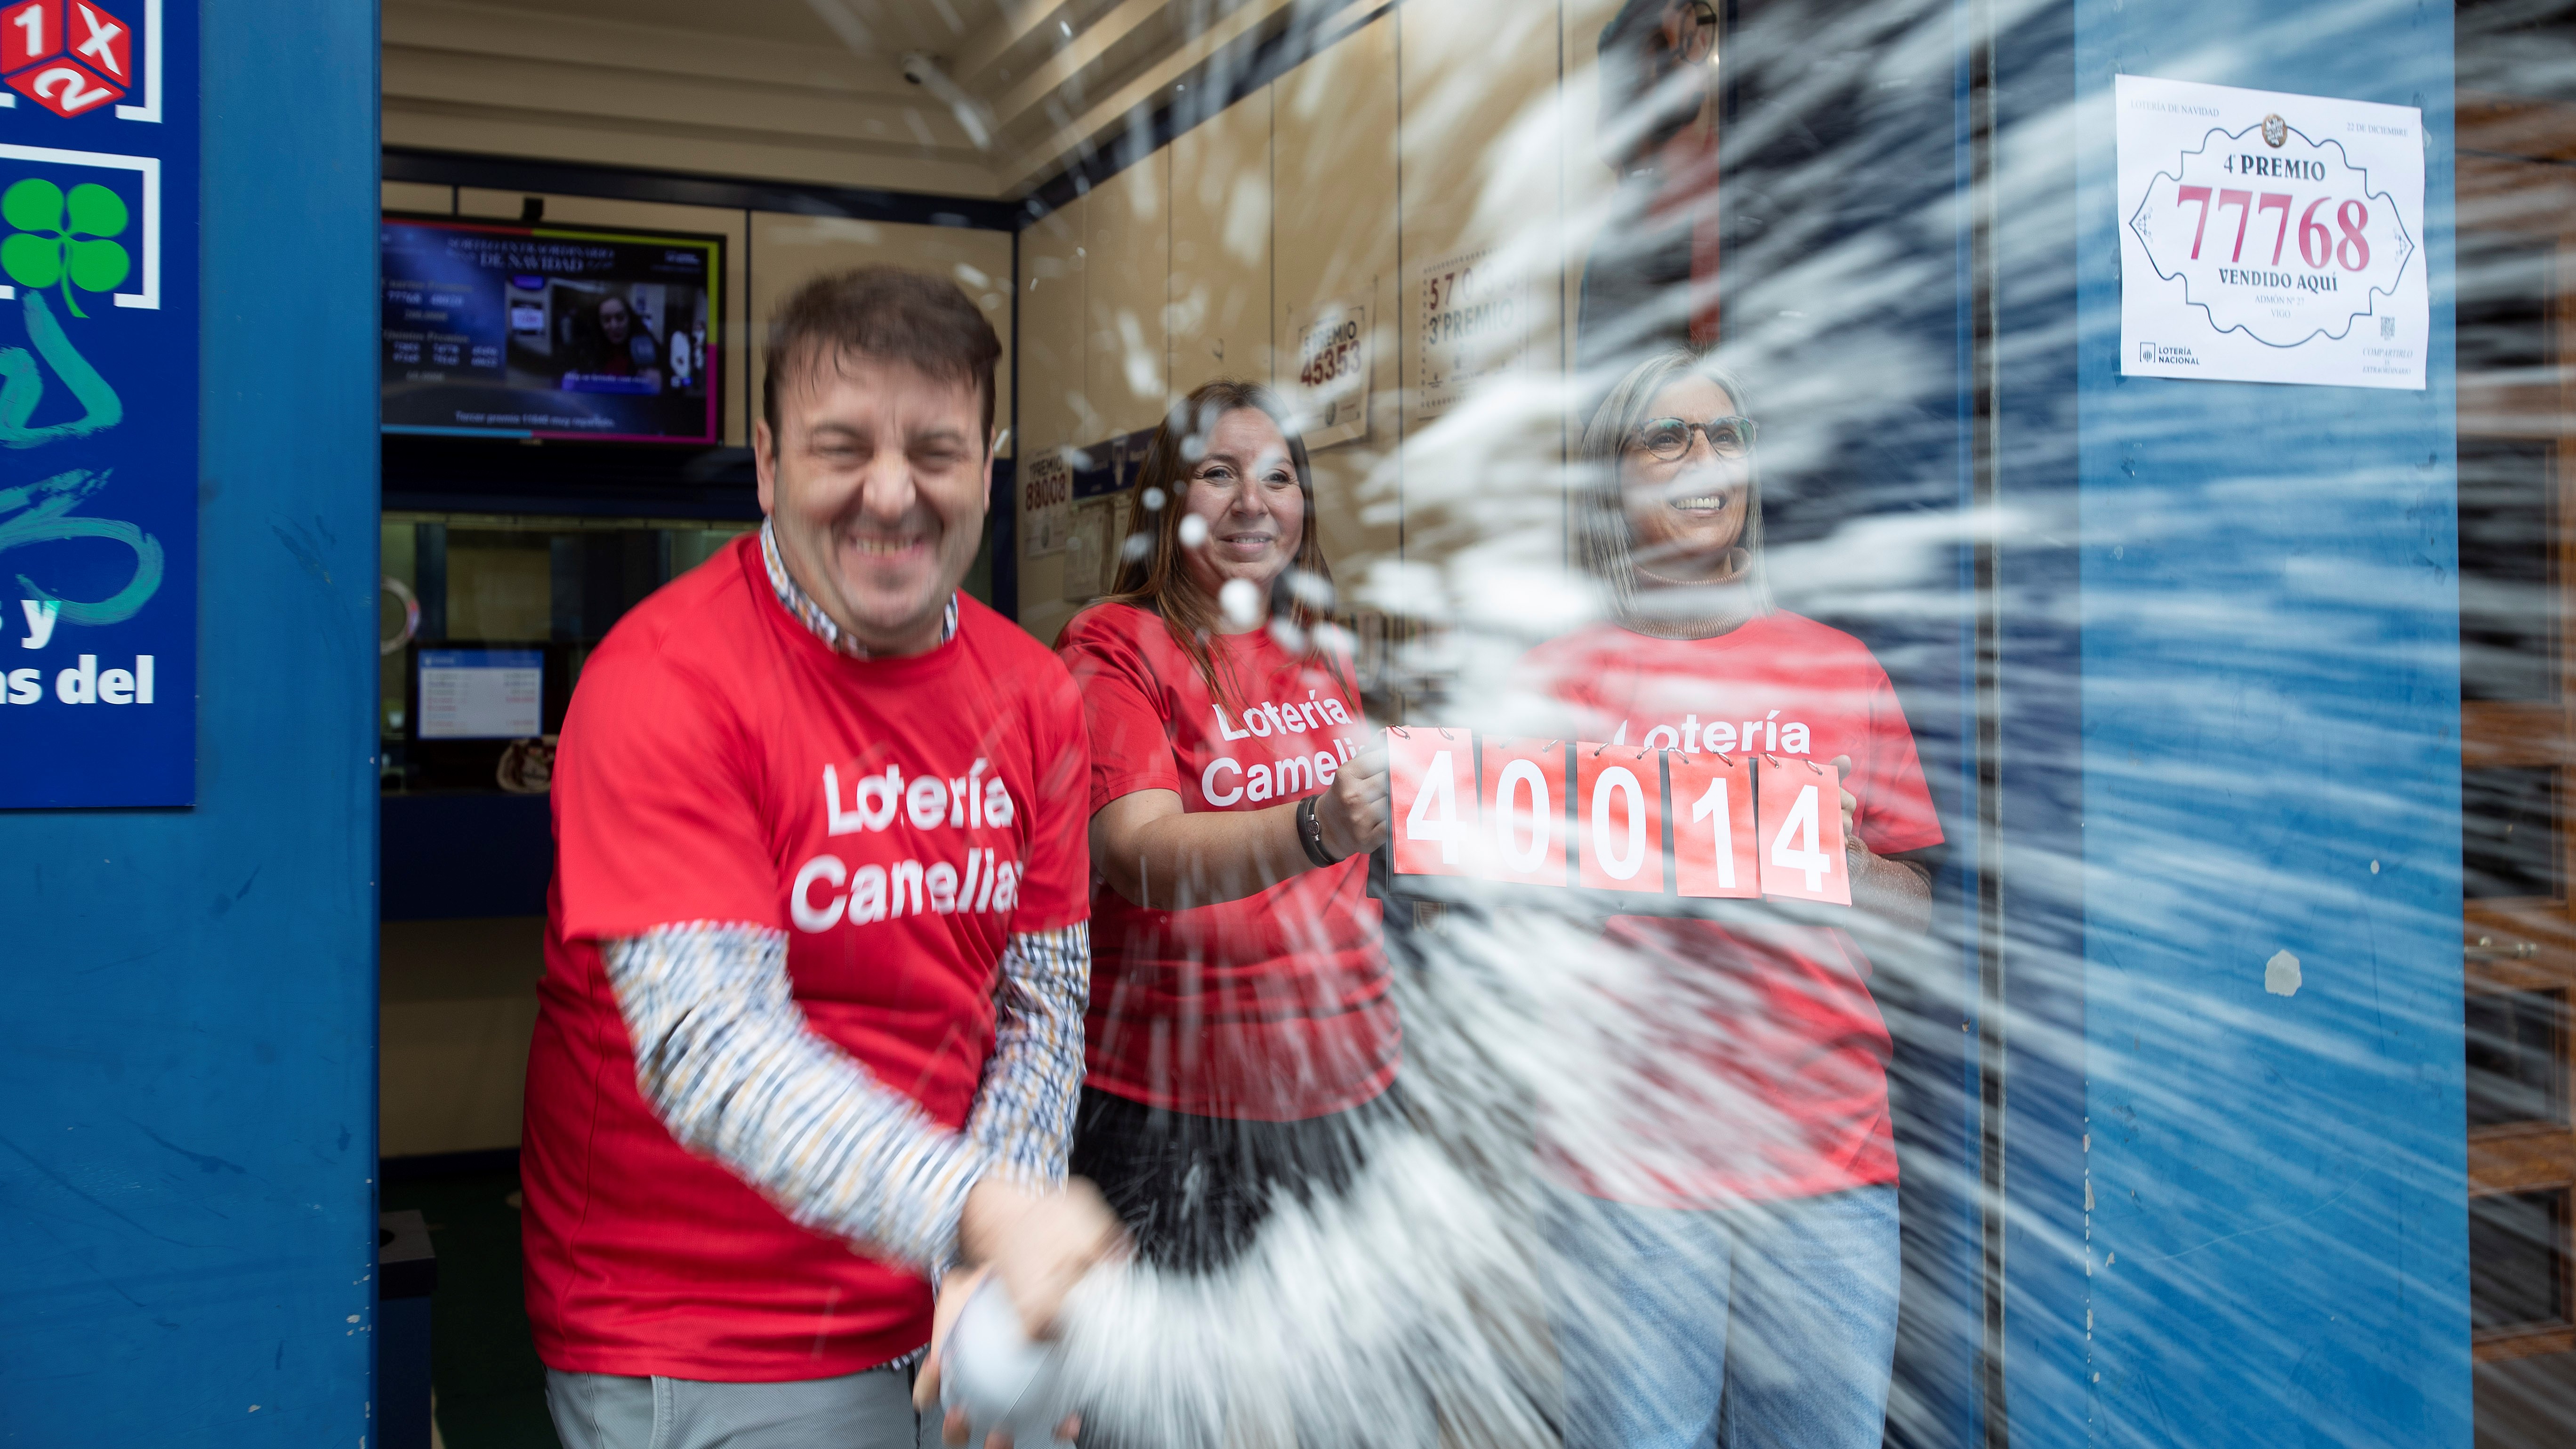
<point x="1310" y="833"/>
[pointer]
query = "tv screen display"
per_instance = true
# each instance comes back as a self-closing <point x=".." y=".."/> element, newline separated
<point x="532" y="331"/>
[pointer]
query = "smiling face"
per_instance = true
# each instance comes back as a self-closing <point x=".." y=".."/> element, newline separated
<point x="1686" y="516"/>
<point x="875" y="481"/>
<point x="1243" y="491"/>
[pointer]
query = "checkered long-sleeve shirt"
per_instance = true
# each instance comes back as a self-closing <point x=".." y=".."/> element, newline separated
<point x="724" y="1055"/>
<point x="727" y="1061"/>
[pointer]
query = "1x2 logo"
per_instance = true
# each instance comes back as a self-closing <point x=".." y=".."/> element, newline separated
<point x="70" y="56"/>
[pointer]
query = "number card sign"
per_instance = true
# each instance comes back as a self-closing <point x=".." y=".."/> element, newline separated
<point x="1522" y="791"/>
<point x="1470" y="324"/>
<point x="1800" y="804"/>
<point x="1714" y="854"/>
<point x="1431" y="800"/>
<point x="1047" y="501"/>
<point x="1619" y="817"/>
<point x="98" y="414"/>
<point x="2267" y="237"/>
<point x="1333" y="373"/>
<point x="1642" y="820"/>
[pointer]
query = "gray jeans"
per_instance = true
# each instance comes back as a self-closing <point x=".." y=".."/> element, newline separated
<point x="870" y="1410"/>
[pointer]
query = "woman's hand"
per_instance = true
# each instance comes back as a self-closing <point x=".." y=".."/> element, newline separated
<point x="1352" y="814"/>
<point x="1158" y="854"/>
<point x="1842" y="771"/>
<point x="1898" y="889"/>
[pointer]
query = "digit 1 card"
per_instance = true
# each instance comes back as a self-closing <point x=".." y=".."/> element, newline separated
<point x="1431" y="799"/>
<point x="1801" y="831"/>
<point x="1619" y="817"/>
<point x="1521" y="793"/>
<point x="1713" y="840"/>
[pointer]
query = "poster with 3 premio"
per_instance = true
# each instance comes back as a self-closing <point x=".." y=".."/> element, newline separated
<point x="98" y="403"/>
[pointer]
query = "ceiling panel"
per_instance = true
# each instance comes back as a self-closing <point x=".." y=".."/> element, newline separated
<point x="810" y="90"/>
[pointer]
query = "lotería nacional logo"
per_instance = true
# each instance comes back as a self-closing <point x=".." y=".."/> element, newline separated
<point x="2275" y="131"/>
<point x="70" y="56"/>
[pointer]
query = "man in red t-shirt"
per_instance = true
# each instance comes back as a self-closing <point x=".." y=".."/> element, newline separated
<point x="811" y="1024"/>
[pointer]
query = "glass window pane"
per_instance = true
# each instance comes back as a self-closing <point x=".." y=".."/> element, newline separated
<point x="2505" y="279"/>
<point x="2518" y="1259"/>
<point x="2509" y="833"/>
<point x="2517" y="1043"/>
<point x="2508" y="609"/>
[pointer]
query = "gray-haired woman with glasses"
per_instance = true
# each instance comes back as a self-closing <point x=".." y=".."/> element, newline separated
<point x="1730" y="1236"/>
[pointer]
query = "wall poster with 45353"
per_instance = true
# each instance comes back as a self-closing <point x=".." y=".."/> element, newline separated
<point x="98" y="403"/>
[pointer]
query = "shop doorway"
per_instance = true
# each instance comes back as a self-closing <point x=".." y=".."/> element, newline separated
<point x="2517" y="428"/>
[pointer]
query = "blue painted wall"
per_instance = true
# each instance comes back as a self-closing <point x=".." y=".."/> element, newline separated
<point x="2270" y="1205"/>
<point x="188" y="998"/>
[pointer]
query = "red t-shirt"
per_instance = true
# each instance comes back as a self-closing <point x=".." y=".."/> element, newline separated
<point x="691" y="786"/>
<point x="1789" y="1095"/>
<point x="1272" y="1008"/>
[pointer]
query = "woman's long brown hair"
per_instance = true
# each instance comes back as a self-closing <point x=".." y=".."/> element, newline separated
<point x="1160" y="581"/>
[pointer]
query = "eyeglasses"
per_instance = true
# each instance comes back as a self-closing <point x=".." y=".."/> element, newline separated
<point x="1691" y="30"/>
<point x="1666" y="440"/>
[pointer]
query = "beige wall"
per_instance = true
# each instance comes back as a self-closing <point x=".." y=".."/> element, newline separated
<point x="1483" y="173"/>
<point x="1055" y="403"/>
<point x="1126" y="286"/>
<point x="1335" y="237"/>
<point x="1447" y="127"/>
<point x="459" y="999"/>
<point x="1221" y="248"/>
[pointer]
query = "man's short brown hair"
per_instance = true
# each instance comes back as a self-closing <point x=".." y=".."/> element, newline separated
<point x="888" y="314"/>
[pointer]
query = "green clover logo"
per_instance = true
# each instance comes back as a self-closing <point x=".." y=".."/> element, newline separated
<point x="63" y="239"/>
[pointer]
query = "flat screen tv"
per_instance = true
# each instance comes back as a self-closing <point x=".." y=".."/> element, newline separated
<point x="504" y="330"/>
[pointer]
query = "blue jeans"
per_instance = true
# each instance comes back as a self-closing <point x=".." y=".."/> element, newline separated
<point x="1765" y="1326"/>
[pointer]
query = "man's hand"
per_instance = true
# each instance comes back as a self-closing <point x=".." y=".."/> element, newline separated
<point x="954" y="1290"/>
<point x="1039" y="1242"/>
<point x="1352" y="814"/>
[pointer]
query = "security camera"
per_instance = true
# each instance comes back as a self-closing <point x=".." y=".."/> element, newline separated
<point x="919" y="68"/>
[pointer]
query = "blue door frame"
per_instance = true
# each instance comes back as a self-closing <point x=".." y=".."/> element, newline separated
<point x="2230" y="695"/>
<point x="188" y="997"/>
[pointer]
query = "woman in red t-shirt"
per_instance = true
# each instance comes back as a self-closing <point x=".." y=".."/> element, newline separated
<point x="1740" y="1173"/>
<point x="1240" y="1030"/>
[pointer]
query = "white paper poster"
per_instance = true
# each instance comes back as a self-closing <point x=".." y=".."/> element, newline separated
<point x="1333" y="372"/>
<point x="2267" y="237"/>
<point x="1046" y="498"/>
<point x="1471" y="324"/>
<point x="1095" y="541"/>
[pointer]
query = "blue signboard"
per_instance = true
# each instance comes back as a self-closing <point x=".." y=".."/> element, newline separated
<point x="98" y="403"/>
